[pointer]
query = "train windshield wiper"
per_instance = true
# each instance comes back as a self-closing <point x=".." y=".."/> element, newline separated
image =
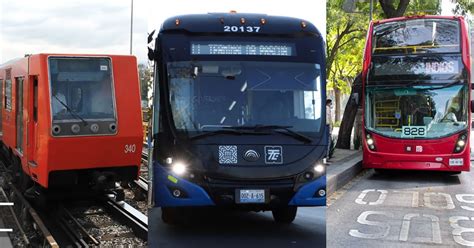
<point x="221" y="131"/>
<point x="71" y="111"/>
<point x="276" y="128"/>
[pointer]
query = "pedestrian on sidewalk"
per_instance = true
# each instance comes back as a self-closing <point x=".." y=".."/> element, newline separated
<point x="329" y="125"/>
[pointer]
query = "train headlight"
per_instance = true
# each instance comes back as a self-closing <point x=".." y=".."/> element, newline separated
<point x="178" y="168"/>
<point x="370" y="141"/>
<point x="460" y="143"/>
<point x="112" y="127"/>
<point x="56" y="129"/>
<point x="94" y="128"/>
<point x="75" y="129"/>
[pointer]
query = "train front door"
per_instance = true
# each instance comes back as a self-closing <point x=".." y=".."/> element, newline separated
<point x="19" y="113"/>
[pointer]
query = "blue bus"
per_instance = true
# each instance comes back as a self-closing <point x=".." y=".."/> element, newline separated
<point x="239" y="114"/>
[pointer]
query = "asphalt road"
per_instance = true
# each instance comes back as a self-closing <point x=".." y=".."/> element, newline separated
<point x="403" y="209"/>
<point x="240" y="229"/>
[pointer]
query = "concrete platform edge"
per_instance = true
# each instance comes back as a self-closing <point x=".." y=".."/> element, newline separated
<point x="343" y="173"/>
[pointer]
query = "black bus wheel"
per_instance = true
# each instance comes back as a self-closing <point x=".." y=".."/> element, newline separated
<point x="453" y="173"/>
<point x="284" y="214"/>
<point x="381" y="171"/>
<point x="170" y="215"/>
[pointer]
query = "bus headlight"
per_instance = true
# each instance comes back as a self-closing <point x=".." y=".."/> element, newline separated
<point x="319" y="168"/>
<point x="370" y="141"/>
<point x="313" y="172"/>
<point x="460" y="143"/>
<point x="178" y="168"/>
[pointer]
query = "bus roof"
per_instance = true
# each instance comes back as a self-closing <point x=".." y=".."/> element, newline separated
<point x="215" y="22"/>
<point x="404" y="18"/>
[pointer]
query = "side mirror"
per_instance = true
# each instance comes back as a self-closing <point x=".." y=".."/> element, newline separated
<point x="472" y="106"/>
<point x="151" y="54"/>
<point x="150" y="36"/>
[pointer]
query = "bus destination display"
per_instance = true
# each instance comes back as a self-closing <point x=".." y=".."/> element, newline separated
<point x="242" y="48"/>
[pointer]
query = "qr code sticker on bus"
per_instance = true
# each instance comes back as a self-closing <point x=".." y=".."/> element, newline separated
<point x="227" y="154"/>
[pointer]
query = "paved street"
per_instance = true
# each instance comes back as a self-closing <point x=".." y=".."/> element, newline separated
<point x="403" y="209"/>
<point x="241" y="229"/>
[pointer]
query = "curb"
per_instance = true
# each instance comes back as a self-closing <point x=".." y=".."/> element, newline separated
<point x="343" y="172"/>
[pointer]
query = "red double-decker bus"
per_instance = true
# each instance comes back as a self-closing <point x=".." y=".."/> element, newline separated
<point x="416" y="100"/>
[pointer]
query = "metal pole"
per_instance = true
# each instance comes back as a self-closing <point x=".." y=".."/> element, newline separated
<point x="371" y="9"/>
<point x="131" y="28"/>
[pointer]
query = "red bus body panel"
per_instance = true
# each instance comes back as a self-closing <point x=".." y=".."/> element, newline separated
<point x="42" y="153"/>
<point x="391" y="153"/>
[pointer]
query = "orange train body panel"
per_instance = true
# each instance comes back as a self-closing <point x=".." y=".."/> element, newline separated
<point x="41" y="149"/>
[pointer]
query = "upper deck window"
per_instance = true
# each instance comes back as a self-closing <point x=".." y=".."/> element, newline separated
<point x="416" y="36"/>
<point x="81" y="88"/>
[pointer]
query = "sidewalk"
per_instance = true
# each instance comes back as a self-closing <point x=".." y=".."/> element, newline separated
<point x="343" y="166"/>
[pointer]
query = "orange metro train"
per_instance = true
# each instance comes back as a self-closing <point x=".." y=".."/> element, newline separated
<point x="71" y="121"/>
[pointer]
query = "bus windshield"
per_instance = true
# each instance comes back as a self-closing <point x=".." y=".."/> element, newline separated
<point x="417" y="36"/>
<point x="435" y="111"/>
<point x="213" y="95"/>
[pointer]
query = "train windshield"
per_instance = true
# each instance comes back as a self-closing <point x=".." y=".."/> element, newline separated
<point x="81" y="88"/>
<point x="428" y="111"/>
<point x="213" y="95"/>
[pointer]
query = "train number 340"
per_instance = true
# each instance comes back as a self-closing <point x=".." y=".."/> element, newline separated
<point x="130" y="148"/>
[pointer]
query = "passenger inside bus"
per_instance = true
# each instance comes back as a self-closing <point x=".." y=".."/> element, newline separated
<point x="453" y="110"/>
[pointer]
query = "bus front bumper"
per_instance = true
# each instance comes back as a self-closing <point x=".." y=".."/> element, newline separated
<point x="192" y="194"/>
<point x="440" y="162"/>
<point x="311" y="194"/>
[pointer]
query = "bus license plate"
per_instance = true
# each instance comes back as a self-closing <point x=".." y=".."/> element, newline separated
<point x="251" y="196"/>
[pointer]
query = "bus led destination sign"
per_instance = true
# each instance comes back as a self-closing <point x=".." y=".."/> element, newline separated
<point x="242" y="48"/>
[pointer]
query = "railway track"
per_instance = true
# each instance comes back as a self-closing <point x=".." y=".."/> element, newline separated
<point x="131" y="216"/>
<point x="31" y="220"/>
<point x="75" y="232"/>
<point x="72" y="224"/>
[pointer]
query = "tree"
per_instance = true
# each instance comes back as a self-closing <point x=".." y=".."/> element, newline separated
<point x="463" y="7"/>
<point x="344" y="42"/>
<point x="145" y="72"/>
<point x="390" y="10"/>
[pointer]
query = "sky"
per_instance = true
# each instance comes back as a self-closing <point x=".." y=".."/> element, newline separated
<point x="313" y="11"/>
<point x="72" y="26"/>
<point x="447" y="7"/>
<point x="103" y="26"/>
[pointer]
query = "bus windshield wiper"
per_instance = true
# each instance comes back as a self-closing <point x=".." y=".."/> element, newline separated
<point x="276" y="128"/>
<point x="432" y="87"/>
<point x="445" y="86"/>
<point x="71" y="111"/>
<point x="221" y="131"/>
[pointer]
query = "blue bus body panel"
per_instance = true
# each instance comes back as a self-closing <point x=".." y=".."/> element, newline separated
<point x="163" y="198"/>
<point x="305" y="195"/>
<point x="197" y="196"/>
